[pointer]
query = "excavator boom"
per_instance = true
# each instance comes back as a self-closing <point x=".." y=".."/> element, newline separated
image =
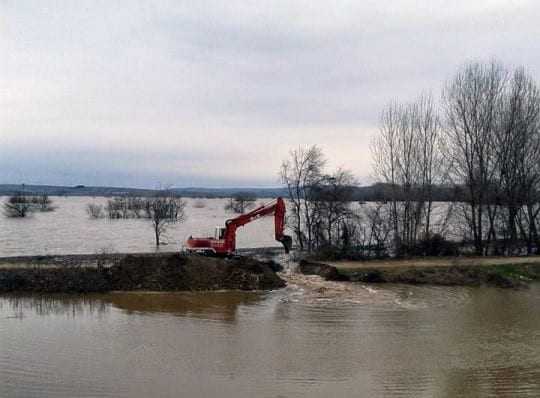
<point x="224" y="243"/>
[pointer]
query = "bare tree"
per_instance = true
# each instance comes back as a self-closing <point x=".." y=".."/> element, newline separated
<point x="518" y="155"/>
<point x="94" y="210"/>
<point x="472" y="103"/>
<point x="20" y="204"/>
<point x="407" y="158"/>
<point x="300" y="173"/>
<point x="241" y="202"/>
<point x="332" y="214"/>
<point x="378" y="229"/>
<point x="17" y="205"/>
<point x="164" y="210"/>
<point x="42" y="202"/>
<point x="125" y="207"/>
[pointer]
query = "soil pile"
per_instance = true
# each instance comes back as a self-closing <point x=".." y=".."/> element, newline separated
<point x="170" y="272"/>
<point x="178" y="272"/>
<point x="328" y="272"/>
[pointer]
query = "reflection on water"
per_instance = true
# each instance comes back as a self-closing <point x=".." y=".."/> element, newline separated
<point x="20" y="305"/>
<point x="313" y="338"/>
<point x="211" y="305"/>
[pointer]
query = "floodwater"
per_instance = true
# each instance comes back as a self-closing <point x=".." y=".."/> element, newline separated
<point x="311" y="339"/>
<point x="69" y="230"/>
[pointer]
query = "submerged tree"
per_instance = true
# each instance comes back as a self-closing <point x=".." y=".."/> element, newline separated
<point x="21" y="205"/>
<point x="17" y="205"/>
<point x="302" y="171"/>
<point x="164" y="210"/>
<point x="406" y="155"/>
<point x="321" y="216"/>
<point x="518" y="159"/>
<point x="94" y="210"/>
<point x="472" y="105"/>
<point x="241" y="202"/>
<point x="332" y="213"/>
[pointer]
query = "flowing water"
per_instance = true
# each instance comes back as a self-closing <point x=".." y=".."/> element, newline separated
<point x="313" y="338"/>
<point x="69" y="230"/>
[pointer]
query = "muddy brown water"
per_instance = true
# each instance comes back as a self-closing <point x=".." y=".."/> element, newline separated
<point x="314" y="338"/>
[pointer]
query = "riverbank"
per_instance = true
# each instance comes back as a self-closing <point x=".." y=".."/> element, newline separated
<point x="448" y="271"/>
<point x="129" y="272"/>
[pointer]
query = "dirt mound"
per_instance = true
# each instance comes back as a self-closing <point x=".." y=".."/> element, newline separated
<point x="179" y="272"/>
<point x="170" y="272"/>
<point x="328" y="272"/>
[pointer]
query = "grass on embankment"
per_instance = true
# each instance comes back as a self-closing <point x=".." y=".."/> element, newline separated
<point x="467" y="271"/>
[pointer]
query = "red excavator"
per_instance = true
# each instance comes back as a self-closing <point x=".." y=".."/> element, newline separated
<point x="224" y="241"/>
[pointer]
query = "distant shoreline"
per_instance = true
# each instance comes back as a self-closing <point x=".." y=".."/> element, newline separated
<point x="82" y="190"/>
<point x="377" y="192"/>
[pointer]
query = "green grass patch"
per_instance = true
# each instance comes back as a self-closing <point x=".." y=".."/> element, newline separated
<point x="518" y="272"/>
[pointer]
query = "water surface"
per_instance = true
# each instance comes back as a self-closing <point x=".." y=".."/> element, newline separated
<point x="314" y="338"/>
<point x="69" y="230"/>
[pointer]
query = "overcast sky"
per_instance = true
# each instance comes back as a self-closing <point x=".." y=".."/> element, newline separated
<point x="215" y="93"/>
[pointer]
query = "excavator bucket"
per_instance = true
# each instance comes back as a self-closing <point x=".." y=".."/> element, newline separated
<point x="286" y="241"/>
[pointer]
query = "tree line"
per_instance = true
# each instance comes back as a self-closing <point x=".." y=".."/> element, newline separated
<point x="163" y="209"/>
<point x="479" y="144"/>
<point x="21" y="204"/>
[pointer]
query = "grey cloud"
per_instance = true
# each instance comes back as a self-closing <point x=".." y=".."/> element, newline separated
<point x="221" y="90"/>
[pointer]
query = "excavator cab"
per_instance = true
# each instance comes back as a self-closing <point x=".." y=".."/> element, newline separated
<point x="220" y="233"/>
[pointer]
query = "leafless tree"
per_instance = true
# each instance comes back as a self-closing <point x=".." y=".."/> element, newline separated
<point x="164" y="210"/>
<point x="94" y="210"/>
<point x="378" y="227"/>
<point x="406" y="155"/>
<point x="472" y="103"/>
<point x="41" y="202"/>
<point x="241" y="202"/>
<point x="20" y="204"/>
<point x="518" y="154"/>
<point x="300" y="173"/>
<point x="332" y="216"/>
<point x="17" y="205"/>
<point x="125" y="207"/>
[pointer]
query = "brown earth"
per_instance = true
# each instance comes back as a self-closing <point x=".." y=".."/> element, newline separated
<point x="162" y="272"/>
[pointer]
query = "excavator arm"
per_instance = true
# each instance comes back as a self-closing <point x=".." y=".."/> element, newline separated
<point x="224" y="243"/>
<point x="277" y="208"/>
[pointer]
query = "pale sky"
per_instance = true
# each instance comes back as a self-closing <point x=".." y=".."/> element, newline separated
<point x="215" y="93"/>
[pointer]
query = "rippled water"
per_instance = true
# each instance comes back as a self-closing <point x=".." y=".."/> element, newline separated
<point x="314" y="338"/>
<point x="69" y="230"/>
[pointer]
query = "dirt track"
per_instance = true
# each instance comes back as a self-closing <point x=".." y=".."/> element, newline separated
<point x="435" y="262"/>
<point x="109" y="259"/>
<point x="469" y="271"/>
